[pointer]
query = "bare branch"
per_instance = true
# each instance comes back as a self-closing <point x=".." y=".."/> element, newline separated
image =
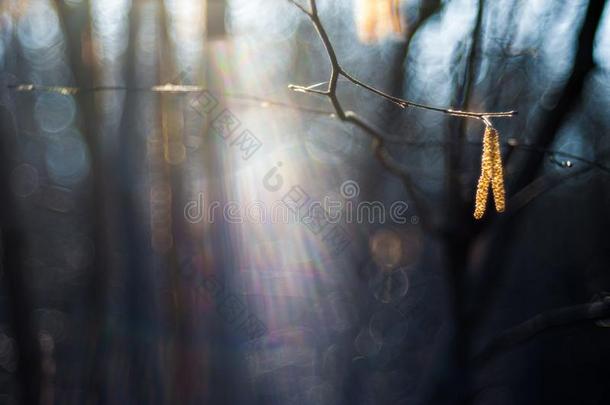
<point x="398" y="101"/>
<point x="598" y="310"/>
<point x="484" y="116"/>
<point x="337" y="70"/>
<point x="538" y="187"/>
<point x="378" y="140"/>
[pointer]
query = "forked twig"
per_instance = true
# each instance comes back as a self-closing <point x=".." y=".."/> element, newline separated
<point x="379" y="149"/>
<point x="338" y="70"/>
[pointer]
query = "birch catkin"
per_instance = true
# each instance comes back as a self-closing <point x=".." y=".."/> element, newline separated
<point x="492" y="174"/>
<point x="497" y="177"/>
<point x="486" y="174"/>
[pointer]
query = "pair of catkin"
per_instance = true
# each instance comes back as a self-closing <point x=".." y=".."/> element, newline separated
<point x="492" y="174"/>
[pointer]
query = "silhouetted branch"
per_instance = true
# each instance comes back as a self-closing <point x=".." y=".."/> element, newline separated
<point x="337" y="70"/>
<point x="539" y="186"/>
<point x="527" y="330"/>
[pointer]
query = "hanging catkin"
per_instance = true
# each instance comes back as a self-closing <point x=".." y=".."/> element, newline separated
<point x="497" y="176"/>
<point x="486" y="173"/>
<point x="492" y="174"/>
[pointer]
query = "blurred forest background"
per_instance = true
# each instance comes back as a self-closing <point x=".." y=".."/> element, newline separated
<point x="114" y="291"/>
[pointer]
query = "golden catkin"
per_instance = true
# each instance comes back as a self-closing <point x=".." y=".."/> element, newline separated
<point x="486" y="175"/>
<point x="481" y="197"/>
<point x="492" y="174"/>
<point x="497" y="177"/>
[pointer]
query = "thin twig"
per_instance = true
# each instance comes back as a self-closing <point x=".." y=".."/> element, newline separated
<point x="378" y="146"/>
<point x="308" y="89"/>
<point x="165" y="88"/>
<point x="538" y="187"/>
<point x="264" y="102"/>
<point x="484" y="116"/>
<point x="337" y="71"/>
